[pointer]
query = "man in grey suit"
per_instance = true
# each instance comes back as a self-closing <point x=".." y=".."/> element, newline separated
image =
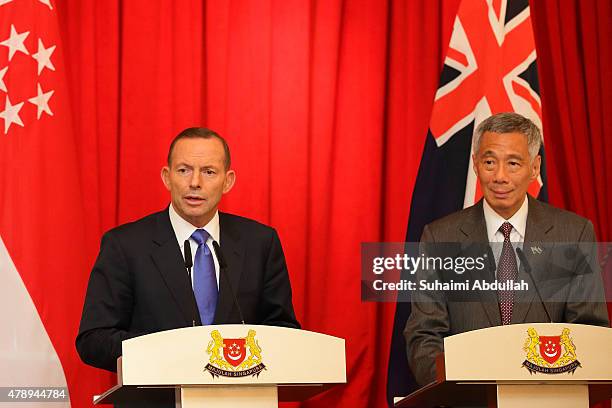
<point x="506" y="162"/>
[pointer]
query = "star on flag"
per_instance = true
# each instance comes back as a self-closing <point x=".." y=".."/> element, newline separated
<point x="2" y="74"/>
<point x="47" y="3"/>
<point x="43" y="57"/>
<point x="15" y="42"/>
<point x="41" y="100"/>
<point x="10" y="114"/>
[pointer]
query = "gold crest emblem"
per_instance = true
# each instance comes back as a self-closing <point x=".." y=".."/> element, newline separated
<point x="550" y="354"/>
<point x="228" y="357"/>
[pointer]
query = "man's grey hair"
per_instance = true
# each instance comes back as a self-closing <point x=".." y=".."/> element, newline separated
<point x="510" y="122"/>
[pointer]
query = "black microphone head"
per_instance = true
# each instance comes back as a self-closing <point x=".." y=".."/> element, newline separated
<point x="523" y="259"/>
<point x="491" y="257"/>
<point x="187" y="251"/>
<point x="220" y="257"/>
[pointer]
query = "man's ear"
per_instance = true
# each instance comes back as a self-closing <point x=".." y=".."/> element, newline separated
<point x="535" y="167"/>
<point x="230" y="179"/>
<point x="165" y="176"/>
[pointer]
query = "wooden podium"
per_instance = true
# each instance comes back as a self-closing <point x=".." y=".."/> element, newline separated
<point x="524" y="365"/>
<point x="228" y="366"/>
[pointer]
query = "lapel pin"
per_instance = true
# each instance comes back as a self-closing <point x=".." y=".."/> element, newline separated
<point x="536" y="250"/>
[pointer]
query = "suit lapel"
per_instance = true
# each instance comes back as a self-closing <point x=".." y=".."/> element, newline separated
<point x="537" y="251"/>
<point x="474" y="228"/>
<point x="233" y="247"/>
<point x="167" y="257"/>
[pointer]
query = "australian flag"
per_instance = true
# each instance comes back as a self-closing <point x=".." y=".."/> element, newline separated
<point x="490" y="67"/>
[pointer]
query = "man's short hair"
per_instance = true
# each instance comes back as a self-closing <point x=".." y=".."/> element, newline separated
<point x="510" y="122"/>
<point x="202" y="133"/>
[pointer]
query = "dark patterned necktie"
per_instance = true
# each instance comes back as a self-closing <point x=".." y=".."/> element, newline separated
<point x="506" y="271"/>
<point x="204" y="278"/>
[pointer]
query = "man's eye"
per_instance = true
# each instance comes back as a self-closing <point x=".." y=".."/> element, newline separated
<point x="488" y="162"/>
<point x="210" y="172"/>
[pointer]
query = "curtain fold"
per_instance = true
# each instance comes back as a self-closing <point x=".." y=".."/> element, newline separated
<point x="325" y="105"/>
<point x="574" y="45"/>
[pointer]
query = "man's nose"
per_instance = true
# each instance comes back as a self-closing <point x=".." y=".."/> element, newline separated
<point x="194" y="182"/>
<point x="501" y="174"/>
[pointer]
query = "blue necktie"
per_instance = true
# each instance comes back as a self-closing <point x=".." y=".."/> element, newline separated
<point x="204" y="278"/>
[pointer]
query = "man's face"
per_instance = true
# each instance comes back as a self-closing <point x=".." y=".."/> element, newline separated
<point x="196" y="178"/>
<point x="505" y="170"/>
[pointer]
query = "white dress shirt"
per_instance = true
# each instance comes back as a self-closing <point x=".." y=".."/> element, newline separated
<point x="494" y="221"/>
<point x="183" y="230"/>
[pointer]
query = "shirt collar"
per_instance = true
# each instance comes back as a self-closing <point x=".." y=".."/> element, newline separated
<point x="183" y="228"/>
<point x="494" y="221"/>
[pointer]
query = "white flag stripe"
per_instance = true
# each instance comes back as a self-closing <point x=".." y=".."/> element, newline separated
<point x="27" y="356"/>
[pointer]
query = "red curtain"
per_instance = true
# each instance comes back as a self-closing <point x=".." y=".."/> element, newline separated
<point x="574" y="45"/>
<point x="325" y="105"/>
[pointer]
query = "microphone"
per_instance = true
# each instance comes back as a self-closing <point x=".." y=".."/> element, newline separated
<point x="223" y="271"/>
<point x="527" y="267"/>
<point x="492" y="266"/>
<point x="188" y="265"/>
<point x="188" y="259"/>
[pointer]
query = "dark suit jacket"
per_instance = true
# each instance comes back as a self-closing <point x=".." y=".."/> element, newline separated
<point x="576" y="288"/>
<point x="139" y="284"/>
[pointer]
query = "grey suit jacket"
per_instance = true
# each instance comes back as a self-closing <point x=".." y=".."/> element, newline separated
<point x="570" y="288"/>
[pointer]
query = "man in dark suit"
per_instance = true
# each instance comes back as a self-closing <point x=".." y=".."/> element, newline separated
<point x="506" y="162"/>
<point x="140" y="284"/>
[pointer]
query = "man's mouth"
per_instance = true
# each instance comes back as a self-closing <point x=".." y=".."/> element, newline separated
<point x="501" y="194"/>
<point x="194" y="200"/>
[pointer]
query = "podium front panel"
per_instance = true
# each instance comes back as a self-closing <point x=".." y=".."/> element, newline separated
<point x="233" y="354"/>
<point x="526" y="352"/>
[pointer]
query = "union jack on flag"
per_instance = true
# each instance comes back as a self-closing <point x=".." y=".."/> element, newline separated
<point x="490" y="67"/>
